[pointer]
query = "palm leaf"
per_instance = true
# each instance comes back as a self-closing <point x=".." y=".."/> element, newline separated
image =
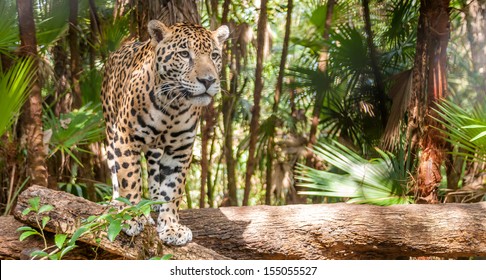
<point x="380" y="181"/>
<point x="9" y="32"/>
<point x="465" y="129"/>
<point x="79" y="127"/>
<point x="14" y="89"/>
<point x="52" y="22"/>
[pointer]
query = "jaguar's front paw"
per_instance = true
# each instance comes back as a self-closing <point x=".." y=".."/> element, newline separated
<point x="136" y="225"/>
<point x="175" y="234"/>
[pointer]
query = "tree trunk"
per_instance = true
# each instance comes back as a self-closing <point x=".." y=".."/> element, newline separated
<point x="276" y="102"/>
<point x="257" y="95"/>
<point x="476" y="30"/>
<point x="228" y="101"/>
<point x="207" y="129"/>
<point x="326" y="231"/>
<point x="378" y="79"/>
<point x="95" y="31"/>
<point x="31" y="118"/>
<point x="75" y="55"/>
<point x="169" y="12"/>
<point x="323" y="58"/>
<point x="429" y="86"/>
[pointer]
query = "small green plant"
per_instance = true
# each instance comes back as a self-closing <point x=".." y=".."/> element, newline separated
<point x="111" y="222"/>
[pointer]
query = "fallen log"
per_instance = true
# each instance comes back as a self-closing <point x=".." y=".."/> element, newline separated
<point x="11" y="248"/>
<point x="326" y="231"/>
<point x="69" y="210"/>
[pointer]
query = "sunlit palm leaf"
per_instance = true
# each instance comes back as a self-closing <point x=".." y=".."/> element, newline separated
<point x="14" y="90"/>
<point x="465" y="129"/>
<point x="380" y="181"/>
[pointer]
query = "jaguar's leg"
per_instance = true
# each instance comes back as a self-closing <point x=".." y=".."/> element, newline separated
<point x="167" y="171"/>
<point x="124" y="156"/>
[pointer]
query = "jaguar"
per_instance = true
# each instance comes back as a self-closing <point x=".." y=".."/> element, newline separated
<point x="153" y="93"/>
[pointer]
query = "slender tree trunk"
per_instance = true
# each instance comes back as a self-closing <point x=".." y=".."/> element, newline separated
<point x="429" y="85"/>
<point x="476" y="30"/>
<point x="94" y="23"/>
<point x="276" y="101"/>
<point x="257" y="94"/>
<point x="228" y="112"/>
<point x="31" y="118"/>
<point x="75" y="55"/>
<point x="207" y="130"/>
<point x="375" y="66"/>
<point x="320" y="94"/>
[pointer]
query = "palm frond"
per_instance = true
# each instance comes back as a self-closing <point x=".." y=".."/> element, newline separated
<point x="9" y="34"/>
<point x="400" y="93"/>
<point x="52" y="22"/>
<point x="14" y="89"/>
<point x="465" y="129"/>
<point x="79" y="127"/>
<point x="380" y="181"/>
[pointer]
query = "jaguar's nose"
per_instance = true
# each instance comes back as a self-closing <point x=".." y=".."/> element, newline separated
<point x="207" y="82"/>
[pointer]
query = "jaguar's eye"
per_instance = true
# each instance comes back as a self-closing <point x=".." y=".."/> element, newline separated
<point x="215" y="55"/>
<point x="184" y="54"/>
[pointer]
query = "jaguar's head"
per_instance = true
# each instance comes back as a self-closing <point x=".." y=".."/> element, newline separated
<point x="188" y="60"/>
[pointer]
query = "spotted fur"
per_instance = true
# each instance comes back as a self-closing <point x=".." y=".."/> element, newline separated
<point x="152" y="96"/>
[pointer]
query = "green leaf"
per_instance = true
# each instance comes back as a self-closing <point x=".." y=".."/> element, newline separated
<point x="80" y="231"/>
<point x="26" y="211"/>
<point x="59" y="239"/>
<point x="66" y="250"/>
<point x="482" y="134"/>
<point x="39" y="253"/>
<point x="114" y="229"/>
<point x="45" y="208"/>
<point x="24" y="228"/>
<point x="167" y="257"/>
<point x="34" y="203"/>
<point x="26" y="234"/>
<point x="124" y="200"/>
<point x="146" y="210"/>
<point x="91" y="218"/>
<point x="54" y="257"/>
<point x="45" y="220"/>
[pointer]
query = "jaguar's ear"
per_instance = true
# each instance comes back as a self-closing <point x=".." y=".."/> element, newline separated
<point x="221" y="34"/>
<point x="158" y="31"/>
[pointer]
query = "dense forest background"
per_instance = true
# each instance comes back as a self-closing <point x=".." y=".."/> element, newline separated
<point x="378" y="102"/>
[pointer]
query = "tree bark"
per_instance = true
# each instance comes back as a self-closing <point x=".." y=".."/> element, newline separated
<point x="257" y="95"/>
<point x="31" y="118"/>
<point x="429" y="86"/>
<point x="326" y="231"/>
